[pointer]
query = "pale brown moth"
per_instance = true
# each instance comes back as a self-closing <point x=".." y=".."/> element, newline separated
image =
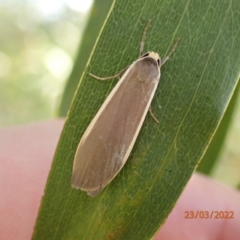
<point x="107" y="142"/>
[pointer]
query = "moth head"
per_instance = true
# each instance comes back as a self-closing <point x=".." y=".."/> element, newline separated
<point x="154" y="56"/>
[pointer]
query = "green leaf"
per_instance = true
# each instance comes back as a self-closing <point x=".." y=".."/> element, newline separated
<point x="98" y="14"/>
<point x="214" y="150"/>
<point x="195" y="88"/>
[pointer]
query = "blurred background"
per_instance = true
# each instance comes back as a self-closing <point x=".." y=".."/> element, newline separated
<point x="38" y="46"/>
<point x="38" y="43"/>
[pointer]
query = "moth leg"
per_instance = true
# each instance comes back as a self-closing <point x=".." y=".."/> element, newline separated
<point x="171" y="52"/>
<point x="152" y="114"/>
<point x="118" y="75"/>
<point x="143" y="38"/>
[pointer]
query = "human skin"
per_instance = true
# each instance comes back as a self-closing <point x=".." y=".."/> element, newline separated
<point x="26" y="154"/>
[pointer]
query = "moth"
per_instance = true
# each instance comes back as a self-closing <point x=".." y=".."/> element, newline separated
<point x="107" y="142"/>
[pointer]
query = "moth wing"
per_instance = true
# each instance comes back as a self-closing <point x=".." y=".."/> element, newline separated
<point x="108" y="141"/>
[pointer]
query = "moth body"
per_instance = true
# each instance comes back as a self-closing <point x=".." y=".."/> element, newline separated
<point x="109" y="139"/>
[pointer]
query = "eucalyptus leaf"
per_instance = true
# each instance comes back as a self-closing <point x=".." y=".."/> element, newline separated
<point x="212" y="156"/>
<point x="97" y="16"/>
<point x="195" y="88"/>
